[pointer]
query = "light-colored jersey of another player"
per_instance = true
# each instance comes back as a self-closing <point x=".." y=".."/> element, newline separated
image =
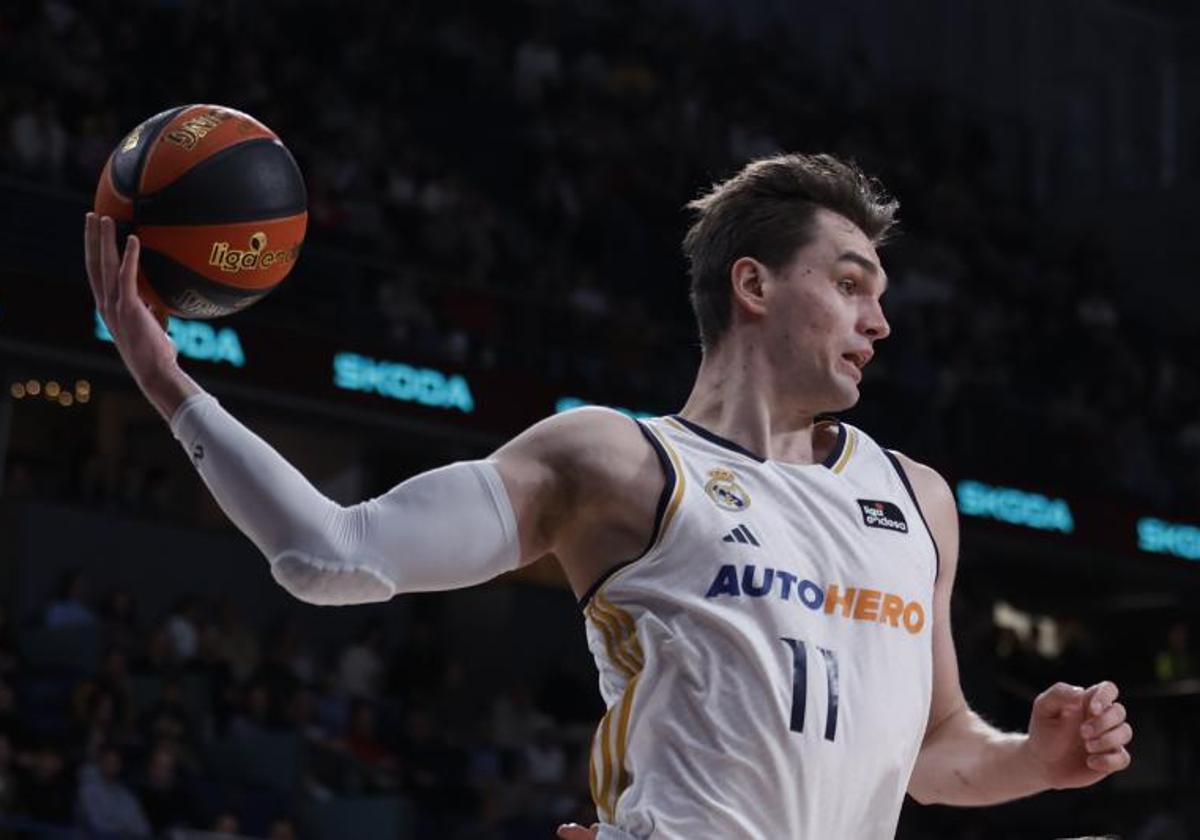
<point x="766" y="663"/>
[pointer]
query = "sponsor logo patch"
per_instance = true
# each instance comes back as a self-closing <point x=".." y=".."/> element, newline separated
<point x="882" y="515"/>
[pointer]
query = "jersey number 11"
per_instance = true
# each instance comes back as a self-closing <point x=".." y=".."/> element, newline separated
<point x="800" y="685"/>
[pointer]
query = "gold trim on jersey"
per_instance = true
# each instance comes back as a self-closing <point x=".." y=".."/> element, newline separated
<point x="849" y="445"/>
<point x="607" y="775"/>
<point x="680" y="483"/>
<point x="617" y="634"/>
<point x="848" y="452"/>
<point x="671" y="421"/>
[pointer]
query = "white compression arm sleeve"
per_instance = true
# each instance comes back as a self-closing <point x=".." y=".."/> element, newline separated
<point x="447" y="528"/>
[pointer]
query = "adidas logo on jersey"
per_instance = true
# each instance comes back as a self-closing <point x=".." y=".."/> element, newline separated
<point x="740" y="534"/>
<point x="883" y="515"/>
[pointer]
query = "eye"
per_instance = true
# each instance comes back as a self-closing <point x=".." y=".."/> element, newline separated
<point x="848" y="285"/>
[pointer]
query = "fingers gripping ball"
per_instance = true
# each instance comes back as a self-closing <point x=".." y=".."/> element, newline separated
<point x="218" y="203"/>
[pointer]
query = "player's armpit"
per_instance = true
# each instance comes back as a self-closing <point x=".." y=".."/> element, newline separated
<point x="583" y="485"/>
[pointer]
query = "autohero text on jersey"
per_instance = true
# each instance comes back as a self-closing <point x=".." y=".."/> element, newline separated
<point x="858" y="603"/>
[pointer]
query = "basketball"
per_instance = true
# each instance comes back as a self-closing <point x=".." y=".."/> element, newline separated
<point x="218" y="203"/>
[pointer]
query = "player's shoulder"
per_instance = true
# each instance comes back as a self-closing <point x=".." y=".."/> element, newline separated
<point x="928" y="485"/>
<point x="936" y="500"/>
<point x="589" y="441"/>
<point x="583" y="429"/>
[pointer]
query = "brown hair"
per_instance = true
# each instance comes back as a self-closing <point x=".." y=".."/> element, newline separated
<point x="767" y="212"/>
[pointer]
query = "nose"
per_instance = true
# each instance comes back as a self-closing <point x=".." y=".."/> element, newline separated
<point x="874" y="325"/>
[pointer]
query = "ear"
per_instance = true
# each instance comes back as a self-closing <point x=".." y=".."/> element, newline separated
<point x="748" y="280"/>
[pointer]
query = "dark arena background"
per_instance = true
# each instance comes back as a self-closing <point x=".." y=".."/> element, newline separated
<point x="495" y="196"/>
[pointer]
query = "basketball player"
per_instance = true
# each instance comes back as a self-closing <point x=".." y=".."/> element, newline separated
<point x="766" y="593"/>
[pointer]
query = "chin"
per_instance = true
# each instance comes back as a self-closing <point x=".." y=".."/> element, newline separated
<point x="844" y="398"/>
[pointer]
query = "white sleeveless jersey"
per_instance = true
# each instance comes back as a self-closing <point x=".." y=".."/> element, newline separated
<point x="767" y="661"/>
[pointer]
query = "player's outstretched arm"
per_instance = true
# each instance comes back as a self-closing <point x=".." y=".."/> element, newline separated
<point x="1076" y="736"/>
<point x="447" y="528"/>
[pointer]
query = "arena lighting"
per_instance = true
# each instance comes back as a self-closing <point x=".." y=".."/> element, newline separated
<point x="1015" y="507"/>
<point x="53" y="391"/>
<point x="567" y="403"/>
<point x="399" y="381"/>
<point x="1174" y="538"/>
<point x="195" y="340"/>
<point x="1047" y="639"/>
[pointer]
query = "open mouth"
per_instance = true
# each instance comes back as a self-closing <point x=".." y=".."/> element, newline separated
<point x="853" y="364"/>
<point x="858" y="360"/>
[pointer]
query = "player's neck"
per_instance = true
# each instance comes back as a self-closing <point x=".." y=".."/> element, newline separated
<point x="734" y="396"/>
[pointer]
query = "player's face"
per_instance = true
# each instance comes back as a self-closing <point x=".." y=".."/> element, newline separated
<point x="825" y="314"/>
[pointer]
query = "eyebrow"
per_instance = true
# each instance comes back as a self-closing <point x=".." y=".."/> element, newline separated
<point x="868" y="266"/>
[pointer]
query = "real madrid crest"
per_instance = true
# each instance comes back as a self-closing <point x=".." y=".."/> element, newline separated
<point x="722" y="488"/>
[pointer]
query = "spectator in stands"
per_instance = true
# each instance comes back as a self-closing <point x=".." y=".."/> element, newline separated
<point x="238" y="642"/>
<point x="288" y="662"/>
<point x="211" y="665"/>
<point x="70" y="607"/>
<point x="8" y="779"/>
<point x="8" y="651"/>
<point x="417" y="663"/>
<point x="105" y="802"/>
<point x="44" y="789"/>
<point x="114" y="678"/>
<point x="183" y="628"/>
<point x="107" y="722"/>
<point x="333" y="707"/>
<point x="226" y="822"/>
<point x="20" y="480"/>
<point x="282" y="829"/>
<point x="461" y="709"/>
<point x="363" y="742"/>
<point x="8" y="709"/>
<point x="546" y="764"/>
<point x="119" y="616"/>
<point x="1176" y="661"/>
<point x="169" y="724"/>
<point x="302" y="716"/>
<point x="544" y="755"/>
<point x="163" y="796"/>
<point x="361" y="665"/>
<point x="325" y="757"/>
<point x="256" y="715"/>
<point x="433" y="773"/>
<point x="514" y="718"/>
<point x="1180" y="709"/>
<point x="38" y="139"/>
<point x="158" y="656"/>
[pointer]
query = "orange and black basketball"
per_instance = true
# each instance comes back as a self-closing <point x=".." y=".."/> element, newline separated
<point x="218" y="203"/>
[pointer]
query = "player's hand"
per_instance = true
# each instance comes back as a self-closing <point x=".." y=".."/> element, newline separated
<point x="138" y="331"/>
<point x="1078" y="736"/>
<point x="574" y="831"/>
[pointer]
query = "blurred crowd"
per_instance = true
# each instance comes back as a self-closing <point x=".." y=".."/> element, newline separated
<point x="512" y="175"/>
<point x="198" y="720"/>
